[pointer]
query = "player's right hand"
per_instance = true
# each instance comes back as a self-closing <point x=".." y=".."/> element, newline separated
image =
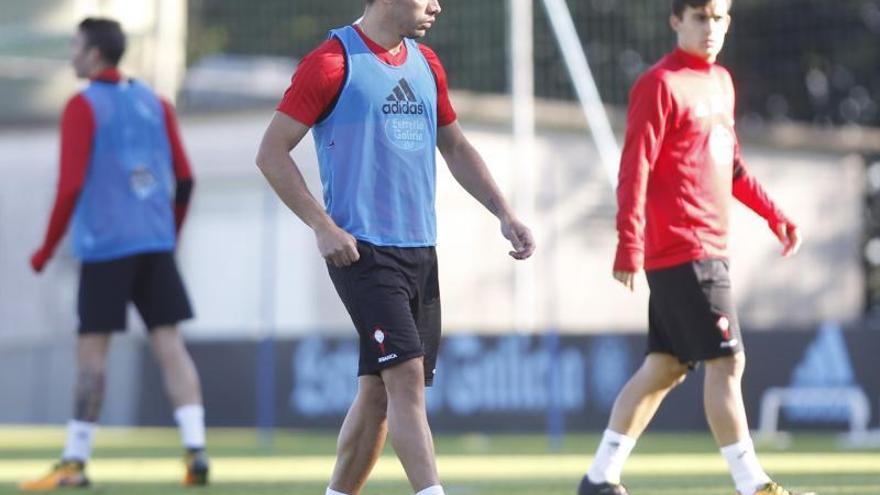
<point x="39" y="260"/>
<point x="626" y="278"/>
<point x="337" y="247"/>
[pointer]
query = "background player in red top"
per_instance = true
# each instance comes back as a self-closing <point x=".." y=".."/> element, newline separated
<point x="680" y="166"/>
<point x="356" y="92"/>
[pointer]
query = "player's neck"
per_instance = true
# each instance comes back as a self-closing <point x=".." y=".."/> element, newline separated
<point x="102" y="71"/>
<point x="381" y="35"/>
<point x="697" y="60"/>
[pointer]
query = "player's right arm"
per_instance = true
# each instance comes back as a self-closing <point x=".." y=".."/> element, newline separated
<point x="649" y="106"/>
<point x="337" y="246"/>
<point x="312" y="90"/>
<point x="77" y="132"/>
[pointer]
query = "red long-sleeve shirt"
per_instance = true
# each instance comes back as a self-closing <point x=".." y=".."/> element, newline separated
<point x="681" y="164"/>
<point x="77" y="135"/>
<point x="318" y="80"/>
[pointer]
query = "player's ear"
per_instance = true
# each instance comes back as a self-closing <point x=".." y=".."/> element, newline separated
<point x="674" y="22"/>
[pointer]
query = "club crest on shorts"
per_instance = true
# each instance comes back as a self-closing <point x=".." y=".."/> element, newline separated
<point x="379" y="337"/>
<point x="723" y="325"/>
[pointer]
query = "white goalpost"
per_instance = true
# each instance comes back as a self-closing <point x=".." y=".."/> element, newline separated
<point x="577" y="64"/>
<point x="522" y="77"/>
<point x="584" y="85"/>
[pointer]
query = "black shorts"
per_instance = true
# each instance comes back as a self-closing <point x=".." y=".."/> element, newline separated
<point x="691" y="313"/>
<point x="150" y="280"/>
<point x="393" y="297"/>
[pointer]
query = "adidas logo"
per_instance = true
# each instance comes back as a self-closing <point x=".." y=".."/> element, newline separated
<point x="826" y="362"/>
<point x="402" y="101"/>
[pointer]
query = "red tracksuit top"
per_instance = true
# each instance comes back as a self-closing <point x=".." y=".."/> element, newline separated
<point x="680" y="166"/>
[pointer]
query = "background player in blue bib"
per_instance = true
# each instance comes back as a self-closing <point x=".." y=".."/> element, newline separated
<point x="125" y="184"/>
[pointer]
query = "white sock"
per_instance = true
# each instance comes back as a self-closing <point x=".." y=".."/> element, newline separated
<point x="432" y="490"/>
<point x="333" y="492"/>
<point x="191" y="421"/>
<point x="745" y="469"/>
<point x="613" y="451"/>
<point x="79" y="440"/>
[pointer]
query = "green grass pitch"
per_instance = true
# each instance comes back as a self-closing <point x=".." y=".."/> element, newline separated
<point x="147" y="461"/>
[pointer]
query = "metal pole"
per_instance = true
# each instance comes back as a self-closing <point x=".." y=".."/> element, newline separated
<point x="584" y="85"/>
<point x="265" y="372"/>
<point x="522" y="76"/>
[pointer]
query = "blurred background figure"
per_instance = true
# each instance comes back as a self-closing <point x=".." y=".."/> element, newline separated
<point x="125" y="183"/>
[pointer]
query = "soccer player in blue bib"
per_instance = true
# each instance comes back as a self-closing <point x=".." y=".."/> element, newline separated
<point x="125" y="184"/>
<point x="377" y="104"/>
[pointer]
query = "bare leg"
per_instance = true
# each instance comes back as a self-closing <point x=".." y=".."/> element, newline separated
<point x="362" y="437"/>
<point x="633" y="409"/>
<point x="91" y="364"/>
<point x="178" y="371"/>
<point x="639" y="399"/>
<point x="91" y="358"/>
<point x="726" y="414"/>
<point x="722" y="399"/>
<point x="408" y="423"/>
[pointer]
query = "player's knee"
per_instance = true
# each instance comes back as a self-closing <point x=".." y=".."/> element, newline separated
<point x="668" y="371"/>
<point x="93" y="364"/>
<point x="727" y="366"/>
<point x="375" y="398"/>
<point x="406" y="378"/>
<point x="679" y="377"/>
<point x="168" y="347"/>
<point x="676" y="375"/>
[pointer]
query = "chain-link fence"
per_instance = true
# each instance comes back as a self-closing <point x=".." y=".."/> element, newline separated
<point x="805" y="60"/>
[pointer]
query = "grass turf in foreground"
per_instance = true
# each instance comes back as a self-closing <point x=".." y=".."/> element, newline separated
<point x="145" y="461"/>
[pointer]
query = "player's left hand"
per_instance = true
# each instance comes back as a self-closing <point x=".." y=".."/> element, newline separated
<point x="520" y="238"/>
<point x="790" y="237"/>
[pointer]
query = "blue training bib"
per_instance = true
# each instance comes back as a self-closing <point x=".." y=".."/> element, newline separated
<point x="126" y="203"/>
<point x="376" y="148"/>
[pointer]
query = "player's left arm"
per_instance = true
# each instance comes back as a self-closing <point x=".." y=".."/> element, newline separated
<point x="182" y="171"/>
<point x="469" y="169"/>
<point x="748" y="191"/>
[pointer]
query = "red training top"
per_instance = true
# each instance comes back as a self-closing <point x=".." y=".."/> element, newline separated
<point x="681" y="161"/>
<point x="318" y="81"/>
<point x="77" y="135"/>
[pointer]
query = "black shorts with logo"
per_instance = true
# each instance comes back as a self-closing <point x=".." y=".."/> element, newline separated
<point x="691" y="313"/>
<point x="149" y="280"/>
<point x="393" y="297"/>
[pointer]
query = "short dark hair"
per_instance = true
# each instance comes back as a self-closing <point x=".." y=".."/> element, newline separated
<point x="106" y="35"/>
<point x="678" y="6"/>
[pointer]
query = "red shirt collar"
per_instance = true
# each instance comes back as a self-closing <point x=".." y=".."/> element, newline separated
<point x="692" y="61"/>
<point x="108" y="75"/>
<point x="384" y="55"/>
